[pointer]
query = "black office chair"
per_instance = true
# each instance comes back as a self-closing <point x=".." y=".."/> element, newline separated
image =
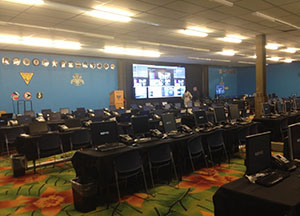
<point x="242" y="133"/>
<point x="161" y="156"/>
<point x="216" y="144"/>
<point x="195" y="151"/>
<point x="11" y="136"/>
<point x="49" y="145"/>
<point x="80" y="139"/>
<point x="284" y="124"/>
<point x="127" y="165"/>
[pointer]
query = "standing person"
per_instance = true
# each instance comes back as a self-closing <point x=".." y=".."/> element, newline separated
<point x="187" y="97"/>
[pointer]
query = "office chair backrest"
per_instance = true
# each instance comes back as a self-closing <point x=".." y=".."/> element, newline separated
<point x="215" y="139"/>
<point x="160" y="153"/>
<point x="195" y="146"/>
<point x="128" y="161"/>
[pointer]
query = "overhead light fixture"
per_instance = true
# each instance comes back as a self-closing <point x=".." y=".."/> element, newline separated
<point x="131" y="51"/>
<point x="39" y="42"/>
<point x="246" y="62"/>
<point x="290" y="50"/>
<point x="208" y="59"/>
<point x="227" y="52"/>
<point x="288" y="60"/>
<point x="193" y="33"/>
<point x="200" y="29"/>
<point x="110" y="14"/>
<point x="224" y="2"/>
<point x="273" y="19"/>
<point x="273" y="46"/>
<point x="30" y="2"/>
<point x="274" y="58"/>
<point x="232" y="38"/>
<point x="174" y="46"/>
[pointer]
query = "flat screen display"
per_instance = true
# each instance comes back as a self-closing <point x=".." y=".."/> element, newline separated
<point x="220" y="89"/>
<point x="156" y="81"/>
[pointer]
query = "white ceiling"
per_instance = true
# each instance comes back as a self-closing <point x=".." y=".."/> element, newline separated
<point x="155" y="26"/>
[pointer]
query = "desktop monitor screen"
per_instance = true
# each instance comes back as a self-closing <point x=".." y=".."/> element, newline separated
<point x="195" y="109"/>
<point x="24" y="119"/>
<point x="38" y="128"/>
<point x="168" y="106"/>
<point x="3" y="122"/>
<point x="297" y="103"/>
<point x="294" y="141"/>
<point x="64" y="111"/>
<point x="157" y="81"/>
<point x="125" y="117"/>
<point x="266" y="109"/>
<point x="219" y="114"/>
<point x="220" y="89"/>
<point x="200" y="118"/>
<point x="73" y="123"/>
<point x="55" y="116"/>
<point x="112" y="107"/>
<point x="140" y="124"/>
<point x="30" y="113"/>
<point x="99" y="112"/>
<point x="121" y="111"/>
<point x="169" y="122"/>
<point x="104" y="132"/>
<point x="80" y="109"/>
<point x="79" y="114"/>
<point x="7" y="116"/>
<point x="147" y="108"/>
<point x="258" y="153"/>
<point x="234" y="111"/>
<point x="279" y="107"/>
<point x="178" y="105"/>
<point x="134" y="106"/>
<point x="288" y="106"/>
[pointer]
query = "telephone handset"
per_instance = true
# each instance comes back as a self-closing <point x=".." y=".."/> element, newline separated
<point x="282" y="163"/>
<point x="156" y="133"/>
<point x="125" y="138"/>
<point x="186" y="129"/>
<point x="62" y="127"/>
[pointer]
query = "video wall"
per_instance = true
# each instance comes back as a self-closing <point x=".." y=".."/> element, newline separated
<point x="157" y="81"/>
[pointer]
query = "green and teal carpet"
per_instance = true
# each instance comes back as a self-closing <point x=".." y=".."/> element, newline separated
<point x="49" y="193"/>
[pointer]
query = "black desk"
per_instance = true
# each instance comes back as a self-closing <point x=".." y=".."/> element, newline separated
<point x="242" y="198"/>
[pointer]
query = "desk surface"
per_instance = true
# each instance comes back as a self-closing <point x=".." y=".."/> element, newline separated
<point x="244" y="198"/>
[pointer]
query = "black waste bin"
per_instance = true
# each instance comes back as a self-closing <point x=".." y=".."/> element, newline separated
<point x="19" y="164"/>
<point x="84" y="195"/>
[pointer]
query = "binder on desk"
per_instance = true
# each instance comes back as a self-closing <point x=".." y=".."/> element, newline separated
<point x="116" y="98"/>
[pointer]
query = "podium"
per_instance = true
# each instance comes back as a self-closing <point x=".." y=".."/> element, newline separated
<point x="116" y="98"/>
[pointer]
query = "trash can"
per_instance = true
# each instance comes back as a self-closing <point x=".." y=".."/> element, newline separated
<point x="84" y="195"/>
<point x="19" y="164"/>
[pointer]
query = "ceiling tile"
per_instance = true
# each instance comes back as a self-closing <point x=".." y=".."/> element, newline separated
<point x="254" y="5"/>
<point x="184" y="7"/>
<point x="164" y="12"/>
<point x="233" y="11"/>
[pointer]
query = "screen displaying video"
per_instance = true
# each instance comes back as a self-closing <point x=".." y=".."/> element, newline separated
<point x="220" y="89"/>
<point x="156" y="81"/>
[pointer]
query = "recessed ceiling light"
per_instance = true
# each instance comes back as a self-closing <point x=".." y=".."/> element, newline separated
<point x="31" y="2"/>
<point x="131" y="51"/>
<point x="290" y="50"/>
<point x="274" y="58"/>
<point x="246" y="62"/>
<point x="39" y="42"/>
<point x="288" y="60"/>
<point x="227" y="52"/>
<point x="232" y="38"/>
<point x="193" y="33"/>
<point x="110" y="14"/>
<point x="273" y="46"/>
<point x="200" y="29"/>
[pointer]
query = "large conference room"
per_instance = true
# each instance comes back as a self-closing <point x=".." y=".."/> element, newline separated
<point x="150" y="107"/>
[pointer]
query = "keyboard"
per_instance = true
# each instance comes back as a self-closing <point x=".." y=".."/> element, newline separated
<point x="110" y="146"/>
<point x="272" y="178"/>
<point x="142" y="140"/>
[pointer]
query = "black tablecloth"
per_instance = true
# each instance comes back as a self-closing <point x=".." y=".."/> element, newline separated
<point x="242" y="198"/>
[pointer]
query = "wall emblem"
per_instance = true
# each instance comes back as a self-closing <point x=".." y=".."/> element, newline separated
<point x="39" y="95"/>
<point x="15" y="96"/>
<point x="26" y="77"/>
<point x="27" y="95"/>
<point x="77" y="80"/>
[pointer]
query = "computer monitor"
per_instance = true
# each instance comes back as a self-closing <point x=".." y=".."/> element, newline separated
<point x="112" y="107"/>
<point x="140" y="125"/>
<point x="266" y="109"/>
<point x="99" y="112"/>
<point x="168" y="106"/>
<point x="104" y="132"/>
<point x="200" y="118"/>
<point x="79" y="114"/>
<point x="72" y="123"/>
<point x="219" y="113"/>
<point x="279" y="107"/>
<point x="64" y="111"/>
<point x="46" y="113"/>
<point x="30" y="113"/>
<point x="7" y="116"/>
<point x="258" y="153"/>
<point x="121" y="111"/>
<point x="125" y="117"/>
<point x="169" y="122"/>
<point x="177" y="105"/>
<point x="234" y="111"/>
<point x="297" y="103"/>
<point x="24" y="119"/>
<point x="3" y="121"/>
<point x="195" y="109"/>
<point x="293" y="141"/>
<point x="147" y="108"/>
<point x="36" y="128"/>
<point x="288" y="106"/>
<point x="81" y="109"/>
<point x="55" y="116"/>
<point x="190" y="104"/>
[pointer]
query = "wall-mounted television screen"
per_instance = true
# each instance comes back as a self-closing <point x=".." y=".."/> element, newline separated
<point x="156" y="81"/>
<point x="220" y="89"/>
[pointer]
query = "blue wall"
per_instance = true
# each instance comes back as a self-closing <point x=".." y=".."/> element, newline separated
<point x="55" y="83"/>
<point x="228" y="75"/>
<point x="246" y="80"/>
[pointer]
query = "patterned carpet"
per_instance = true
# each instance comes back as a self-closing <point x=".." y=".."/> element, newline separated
<point x="49" y="193"/>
